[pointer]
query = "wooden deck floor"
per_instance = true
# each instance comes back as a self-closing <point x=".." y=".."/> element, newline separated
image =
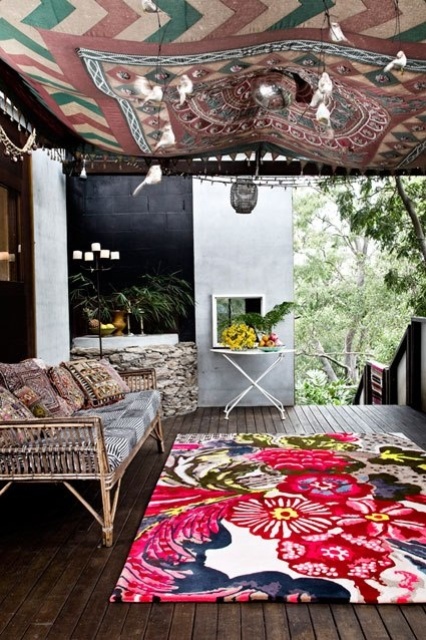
<point x="55" y="581"/>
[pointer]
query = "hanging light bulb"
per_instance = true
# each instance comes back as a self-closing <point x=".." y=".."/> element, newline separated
<point x="243" y="195"/>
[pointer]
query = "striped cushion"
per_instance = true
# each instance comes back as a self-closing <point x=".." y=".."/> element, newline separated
<point x="126" y="422"/>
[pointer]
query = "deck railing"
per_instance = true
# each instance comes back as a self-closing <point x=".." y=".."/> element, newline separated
<point x="403" y="381"/>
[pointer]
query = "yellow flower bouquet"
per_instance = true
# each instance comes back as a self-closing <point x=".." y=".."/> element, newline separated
<point x="239" y="336"/>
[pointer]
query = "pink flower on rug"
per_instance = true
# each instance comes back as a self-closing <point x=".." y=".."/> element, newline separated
<point x="344" y="437"/>
<point x="325" y="486"/>
<point x="302" y="459"/>
<point x="281" y="516"/>
<point x="381" y="518"/>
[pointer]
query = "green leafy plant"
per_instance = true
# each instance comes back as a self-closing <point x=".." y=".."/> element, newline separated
<point x="265" y="323"/>
<point x="159" y="299"/>
<point x="317" y="389"/>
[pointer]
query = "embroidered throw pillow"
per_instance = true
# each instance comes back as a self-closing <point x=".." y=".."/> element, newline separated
<point x="65" y="385"/>
<point x="97" y="384"/>
<point x="11" y="408"/>
<point x="31" y="400"/>
<point x="28" y="373"/>
<point x="115" y="374"/>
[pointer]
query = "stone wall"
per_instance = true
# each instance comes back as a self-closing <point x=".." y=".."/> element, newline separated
<point x="175" y="365"/>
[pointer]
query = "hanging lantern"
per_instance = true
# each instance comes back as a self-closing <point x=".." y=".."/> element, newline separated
<point x="243" y="195"/>
<point x="274" y="91"/>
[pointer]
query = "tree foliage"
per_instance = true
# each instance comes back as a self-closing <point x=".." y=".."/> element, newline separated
<point x="347" y="311"/>
<point x="392" y="212"/>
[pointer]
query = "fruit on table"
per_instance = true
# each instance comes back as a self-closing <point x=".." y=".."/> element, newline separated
<point x="270" y="340"/>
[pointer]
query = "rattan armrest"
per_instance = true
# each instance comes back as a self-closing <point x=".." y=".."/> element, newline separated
<point x="140" y="379"/>
<point x="69" y="449"/>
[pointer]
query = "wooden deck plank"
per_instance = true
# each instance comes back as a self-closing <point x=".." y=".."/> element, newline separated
<point x="55" y="581"/>
<point x="323" y="622"/>
<point x="229" y="621"/>
<point x="159" y="621"/>
<point x="416" y="619"/>
<point x="276" y="623"/>
<point x="371" y="623"/>
<point x="347" y="623"/>
<point x="396" y="623"/>
<point x="300" y="622"/>
<point x="252" y="622"/>
<point x="183" y="621"/>
<point x="205" y="621"/>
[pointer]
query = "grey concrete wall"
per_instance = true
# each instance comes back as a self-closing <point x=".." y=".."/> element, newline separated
<point x="50" y="259"/>
<point x="242" y="254"/>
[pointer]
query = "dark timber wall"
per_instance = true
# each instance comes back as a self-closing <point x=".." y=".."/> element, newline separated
<point x="153" y="232"/>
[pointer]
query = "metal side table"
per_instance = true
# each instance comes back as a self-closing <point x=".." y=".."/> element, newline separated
<point x="277" y="356"/>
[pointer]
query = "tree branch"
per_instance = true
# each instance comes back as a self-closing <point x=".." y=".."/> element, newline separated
<point x="409" y="207"/>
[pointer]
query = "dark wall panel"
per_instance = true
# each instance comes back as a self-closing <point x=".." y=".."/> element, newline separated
<point x="153" y="231"/>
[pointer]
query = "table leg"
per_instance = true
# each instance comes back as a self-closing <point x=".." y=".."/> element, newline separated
<point x="254" y="383"/>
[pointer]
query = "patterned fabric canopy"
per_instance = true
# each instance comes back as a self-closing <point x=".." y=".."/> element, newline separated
<point x="198" y="78"/>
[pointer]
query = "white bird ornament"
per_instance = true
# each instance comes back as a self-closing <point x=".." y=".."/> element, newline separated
<point x="325" y="85"/>
<point x="149" y="6"/>
<point x="167" y="139"/>
<point x="185" y="88"/>
<point x="153" y="176"/>
<point x="142" y="86"/>
<point x="336" y="33"/>
<point x="398" y="62"/>
<point x="154" y="95"/>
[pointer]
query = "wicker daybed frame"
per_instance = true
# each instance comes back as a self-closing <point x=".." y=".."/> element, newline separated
<point x="68" y="449"/>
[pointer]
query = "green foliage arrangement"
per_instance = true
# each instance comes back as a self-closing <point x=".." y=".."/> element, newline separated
<point x="159" y="299"/>
<point x="265" y="324"/>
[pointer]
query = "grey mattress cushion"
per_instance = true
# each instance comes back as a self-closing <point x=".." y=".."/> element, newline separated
<point x="126" y="422"/>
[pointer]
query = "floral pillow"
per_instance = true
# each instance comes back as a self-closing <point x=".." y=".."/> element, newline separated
<point x="11" y="408"/>
<point x="65" y="385"/>
<point x="28" y="373"/>
<point x="99" y="387"/>
<point x="31" y="400"/>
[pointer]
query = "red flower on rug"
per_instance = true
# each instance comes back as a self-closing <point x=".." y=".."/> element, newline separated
<point x="390" y="520"/>
<point x="325" y="486"/>
<point x="283" y="518"/>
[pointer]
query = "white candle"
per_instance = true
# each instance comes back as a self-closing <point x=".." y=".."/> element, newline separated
<point x="96" y="246"/>
<point x="77" y="255"/>
<point x="115" y="255"/>
<point x="104" y="253"/>
<point x="88" y="256"/>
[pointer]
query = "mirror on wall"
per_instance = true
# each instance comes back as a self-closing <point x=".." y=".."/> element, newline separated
<point x="227" y="307"/>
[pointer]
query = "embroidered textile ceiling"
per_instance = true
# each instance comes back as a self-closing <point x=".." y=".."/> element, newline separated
<point x="198" y="78"/>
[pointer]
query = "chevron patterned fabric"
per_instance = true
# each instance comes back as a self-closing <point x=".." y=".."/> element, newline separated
<point x="112" y="73"/>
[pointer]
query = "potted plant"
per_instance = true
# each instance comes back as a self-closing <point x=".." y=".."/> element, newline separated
<point x="264" y="324"/>
<point x="158" y="299"/>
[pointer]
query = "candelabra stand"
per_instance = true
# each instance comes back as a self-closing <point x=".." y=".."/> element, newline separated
<point x="96" y="258"/>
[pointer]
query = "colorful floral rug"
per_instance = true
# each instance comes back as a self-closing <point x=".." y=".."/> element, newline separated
<point x="318" y="518"/>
